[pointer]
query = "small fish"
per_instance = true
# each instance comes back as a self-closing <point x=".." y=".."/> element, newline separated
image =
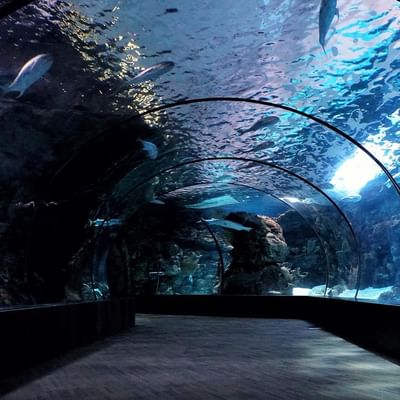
<point x="262" y="123"/>
<point x="213" y="202"/>
<point x="352" y="198"/>
<point x="105" y="222"/>
<point x="327" y="12"/>
<point x="225" y="223"/>
<point x="150" y="148"/>
<point x="263" y="146"/>
<point x="31" y="72"/>
<point x="30" y="204"/>
<point x="153" y="72"/>
<point x="157" y="201"/>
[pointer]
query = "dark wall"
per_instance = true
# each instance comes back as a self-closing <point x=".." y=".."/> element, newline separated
<point x="32" y="335"/>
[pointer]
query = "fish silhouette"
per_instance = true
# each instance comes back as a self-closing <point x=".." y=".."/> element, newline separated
<point x="153" y="72"/>
<point x="262" y="123"/>
<point x="327" y="12"/>
<point x="214" y="202"/>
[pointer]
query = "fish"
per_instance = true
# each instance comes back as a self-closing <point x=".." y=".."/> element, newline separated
<point x="105" y="222"/>
<point x="225" y="223"/>
<point x="327" y="12"/>
<point x="31" y="72"/>
<point x="157" y="201"/>
<point x="213" y="202"/>
<point x="153" y="72"/>
<point x="263" y="146"/>
<point x="150" y="148"/>
<point x="262" y="123"/>
<point x="351" y="198"/>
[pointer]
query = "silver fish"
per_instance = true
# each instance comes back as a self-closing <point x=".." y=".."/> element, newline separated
<point x="327" y="12"/>
<point x="262" y="123"/>
<point x="225" y="223"/>
<point x="31" y="72"/>
<point x="150" y="148"/>
<point x="153" y="72"/>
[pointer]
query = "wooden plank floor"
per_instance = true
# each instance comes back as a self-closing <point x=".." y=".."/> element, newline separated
<point x="175" y="357"/>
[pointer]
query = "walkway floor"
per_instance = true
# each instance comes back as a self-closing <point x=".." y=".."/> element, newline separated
<point x="197" y="358"/>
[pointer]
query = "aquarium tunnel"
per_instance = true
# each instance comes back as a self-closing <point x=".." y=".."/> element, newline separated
<point x="199" y="148"/>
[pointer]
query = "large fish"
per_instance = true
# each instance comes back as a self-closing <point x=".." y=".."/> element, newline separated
<point x="31" y="72"/>
<point x="225" y="223"/>
<point x="153" y="72"/>
<point x="213" y="202"/>
<point x="327" y="12"/>
<point x="262" y="123"/>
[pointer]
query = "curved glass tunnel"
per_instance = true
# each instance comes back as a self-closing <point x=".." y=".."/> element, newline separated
<point x="141" y="190"/>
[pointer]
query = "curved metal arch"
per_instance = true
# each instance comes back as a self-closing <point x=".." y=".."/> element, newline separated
<point x="328" y="263"/>
<point x="261" y="162"/>
<point x="282" y="107"/>
<point x="221" y="257"/>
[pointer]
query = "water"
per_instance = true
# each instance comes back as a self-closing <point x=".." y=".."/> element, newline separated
<point x="265" y="50"/>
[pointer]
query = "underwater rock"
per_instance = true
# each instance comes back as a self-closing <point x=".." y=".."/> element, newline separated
<point x="256" y="265"/>
<point x="170" y="255"/>
<point x="391" y="296"/>
<point x="266" y="233"/>
<point x="305" y="252"/>
<point x="273" y="279"/>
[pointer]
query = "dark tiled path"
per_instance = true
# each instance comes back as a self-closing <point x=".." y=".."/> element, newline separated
<point x="174" y="357"/>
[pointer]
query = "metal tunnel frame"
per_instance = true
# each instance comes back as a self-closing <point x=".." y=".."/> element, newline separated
<point x="221" y="268"/>
<point x="272" y="165"/>
<point x="242" y="159"/>
<point x="328" y="264"/>
<point x="282" y="107"/>
<point x="269" y="104"/>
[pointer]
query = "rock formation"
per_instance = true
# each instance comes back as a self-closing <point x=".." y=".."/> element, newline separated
<point x="258" y="256"/>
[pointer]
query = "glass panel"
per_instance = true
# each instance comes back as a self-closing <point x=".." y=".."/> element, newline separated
<point x="79" y="165"/>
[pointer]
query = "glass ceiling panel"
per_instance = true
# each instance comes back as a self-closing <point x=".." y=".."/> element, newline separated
<point x="113" y="59"/>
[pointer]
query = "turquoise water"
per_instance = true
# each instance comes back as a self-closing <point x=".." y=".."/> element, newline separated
<point x="262" y="50"/>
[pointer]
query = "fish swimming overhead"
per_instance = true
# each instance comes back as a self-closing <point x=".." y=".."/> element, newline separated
<point x="327" y="12"/>
<point x="153" y="72"/>
<point x="351" y="198"/>
<point x="150" y="148"/>
<point x="262" y="123"/>
<point x="213" y="202"/>
<point x="226" y="223"/>
<point x="31" y="72"/>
